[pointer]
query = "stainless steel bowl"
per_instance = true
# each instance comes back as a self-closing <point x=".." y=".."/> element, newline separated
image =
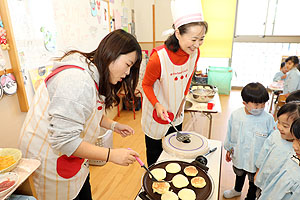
<point x="188" y="105"/>
<point x="203" y="95"/>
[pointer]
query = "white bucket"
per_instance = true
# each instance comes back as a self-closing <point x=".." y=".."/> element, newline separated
<point x="105" y="140"/>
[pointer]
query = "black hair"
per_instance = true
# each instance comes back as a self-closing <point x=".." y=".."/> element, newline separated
<point x="293" y="97"/>
<point x="172" y="42"/>
<point x="113" y="45"/>
<point x="255" y="93"/>
<point x="295" y="128"/>
<point x="294" y="59"/>
<point x="282" y="65"/>
<point x="292" y="109"/>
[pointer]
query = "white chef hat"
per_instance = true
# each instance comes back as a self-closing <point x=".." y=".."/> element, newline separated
<point x="186" y="11"/>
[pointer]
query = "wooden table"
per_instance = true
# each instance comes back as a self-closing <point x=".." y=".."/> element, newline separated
<point x="24" y="169"/>
<point x="202" y="108"/>
<point x="214" y="164"/>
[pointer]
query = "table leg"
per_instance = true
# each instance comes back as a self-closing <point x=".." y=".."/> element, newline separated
<point x="272" y="99"/>
<point x="209" y="116"/>
<point x="30" y="180"/>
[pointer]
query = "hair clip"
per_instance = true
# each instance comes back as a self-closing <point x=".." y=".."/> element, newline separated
<point x="296" y="159"/>
<point x="295" y="101"/>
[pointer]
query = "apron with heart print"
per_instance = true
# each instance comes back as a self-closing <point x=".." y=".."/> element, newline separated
<point x="169" y="91"/>
<point x="59" y="176"/>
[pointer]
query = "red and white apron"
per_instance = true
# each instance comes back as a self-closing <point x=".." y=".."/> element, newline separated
<point x="59" y="177"/>
<point x="169" y="91"/>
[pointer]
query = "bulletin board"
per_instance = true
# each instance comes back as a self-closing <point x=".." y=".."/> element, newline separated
<point x="44" y="29"/>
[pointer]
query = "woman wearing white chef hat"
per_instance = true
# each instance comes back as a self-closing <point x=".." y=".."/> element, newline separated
<point x="168" y="74"/>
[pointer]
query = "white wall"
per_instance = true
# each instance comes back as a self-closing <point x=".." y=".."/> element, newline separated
<point x="11" y="118"/>
<point x="143" y="17"/>
<point x="163" y="18"/>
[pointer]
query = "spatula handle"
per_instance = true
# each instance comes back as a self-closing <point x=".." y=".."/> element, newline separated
<point x="168" y="119"/>
<point x="139" y="161"/>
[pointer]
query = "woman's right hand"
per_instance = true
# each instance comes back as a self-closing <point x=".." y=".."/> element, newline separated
<point x="160" y="110"/>
<point x="123" y="157"/>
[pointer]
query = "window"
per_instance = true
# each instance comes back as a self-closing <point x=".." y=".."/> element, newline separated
<point x="265" y="31"/>
<point x="267" y="18"/>
<point x="258" y="62"/>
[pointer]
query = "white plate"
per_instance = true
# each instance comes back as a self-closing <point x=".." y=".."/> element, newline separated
<point x="8" y="176"/>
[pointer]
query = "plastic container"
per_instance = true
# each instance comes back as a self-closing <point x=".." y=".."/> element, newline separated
<point x="105" y="140"/>
<point x="221" y="78"/>
<point x="201" y="80"/>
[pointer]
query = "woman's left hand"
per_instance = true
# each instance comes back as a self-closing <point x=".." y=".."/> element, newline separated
<point x="124" y="130"/>
<point x="180" y="110"/>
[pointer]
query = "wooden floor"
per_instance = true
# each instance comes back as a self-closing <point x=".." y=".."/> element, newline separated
<point x="113" y="182"/>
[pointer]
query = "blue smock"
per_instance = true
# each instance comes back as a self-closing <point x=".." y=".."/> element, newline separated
<point x="271" y="158"/>
<point x="246" y="135"/>
<point x="278" y="76"/>
<point x="292" y="81"/>
<point x="286" y="184"/>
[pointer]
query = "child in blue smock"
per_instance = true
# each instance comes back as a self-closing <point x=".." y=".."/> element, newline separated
<point x="281" y="75"/>
<point x="286" y="183"/>
<point x="248" y="128"/>
<point x="293" y="97"/>
<point x="274" y="152"/>
<point x="292" y="81"/>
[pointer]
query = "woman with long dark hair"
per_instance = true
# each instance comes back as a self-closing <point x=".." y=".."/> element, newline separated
<point x="64" y="119"/>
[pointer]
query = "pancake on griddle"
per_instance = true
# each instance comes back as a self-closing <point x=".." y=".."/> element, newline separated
<point x="160" y="187"/>
<point x="198" y="182"/>
<point x="159" y="173"/>
<point x="190" y="171"/>
<point x="173" y="168"/>
<point x="187" y="194"/>
<point x="169" y="195"/>
<point x="180" y="181"/>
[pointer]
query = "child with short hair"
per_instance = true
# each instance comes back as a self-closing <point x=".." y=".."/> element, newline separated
<point x="281" y="75"/>
<point x="293" y="97"/>
<point x="274" y="152"/>
<point x="248" y="128"/>
<point x="292" y="81"/>
<point x="286" y="183"/>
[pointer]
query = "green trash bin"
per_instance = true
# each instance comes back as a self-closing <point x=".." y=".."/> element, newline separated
<point x="221" y="78"/>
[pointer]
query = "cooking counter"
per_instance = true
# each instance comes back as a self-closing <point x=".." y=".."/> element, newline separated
<point x="214" y="164"/>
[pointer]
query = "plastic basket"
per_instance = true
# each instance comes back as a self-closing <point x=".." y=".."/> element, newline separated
<point x="221" y="78"/>
<point x="105" y="140"/>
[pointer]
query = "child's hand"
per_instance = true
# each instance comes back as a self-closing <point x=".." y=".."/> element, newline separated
<point x="228" y="156"/>
<point x="284" y="76"/>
